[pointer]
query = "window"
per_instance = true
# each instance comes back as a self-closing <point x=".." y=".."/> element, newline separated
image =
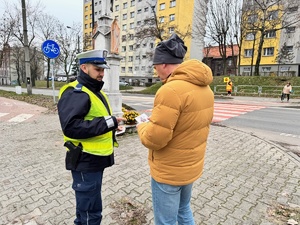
<point x="91" y="25"/>
<point x="138" y="23"/>
<point x="131" y="36"/>
<point x="139" y="11"/>
<point x="137" y="57"/>
<point x="250" y="36"/>
<point x="172" y="4"/>
<point x="130" y="58"/>
<point x="151" y="45"/>
<point x="85" y="26"/>
<point x="288" y="48"/>
<point x="132" y="15"/>
<point x="248" y="52"/>
<point x="117" y="8"/>
<point x="143" y="68"/>
<point x="172" y="17"/>
<point x="171" y="30"/>
<point x="131" y="25"/>
<point x="252" y="18"/>
<point x="124" y="16"/>
<point x="146" y="9"/>
<point x="162" y="6"/>
<point x="129" y="69"/>
<point x="266" y="68"/>
<point x="269" y="51"/>
<point x="132" y="3"/>
<point x="144" y="57"/>
<point x="123" y="69"/>
<point x="100" y="12"/>
<point x="273" y="15"/>
<point x="124" y="27"/>
<point x="96" y="3"/>
<point x="123" y="48"/>
<point x="130" y="47"/>
<point x="247" y="69"/>
<point x="136" y="68"/>
<point x="137" y="46"/>
<point x="293" y="9"/>
<point x="285" y="68"/>
<point x="123" y="38"/>
<point x="86" y="17"/>
<point x="161" y="19"/>
<point x="125" y="5"/>
<point x="270" y="34"/>
<point x="290" y="29"/>
<point x="86" y="8"/>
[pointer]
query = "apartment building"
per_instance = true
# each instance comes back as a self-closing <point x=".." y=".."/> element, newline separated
<point x="88" y="15"/>
<point x="178" y="16"/>
<point x="132" y="15"/>
<point x="279" y="43"/>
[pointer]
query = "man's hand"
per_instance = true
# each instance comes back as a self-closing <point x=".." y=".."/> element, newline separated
<point x="121" y="119"/>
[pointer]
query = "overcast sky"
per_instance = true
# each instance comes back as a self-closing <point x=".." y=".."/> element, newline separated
<point x="67" y="11"/>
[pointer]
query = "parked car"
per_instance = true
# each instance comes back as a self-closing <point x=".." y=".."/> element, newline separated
<point x="62" y="79"/>
<point x="123" y="83"/>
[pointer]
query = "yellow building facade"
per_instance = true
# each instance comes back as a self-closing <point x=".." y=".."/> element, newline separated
<point x="178" y="15"/>
<point x="253" y="21"/>
<point x="87" y="25"/>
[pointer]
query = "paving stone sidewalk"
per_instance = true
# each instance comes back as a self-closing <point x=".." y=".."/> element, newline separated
<point x="244" y="177"/>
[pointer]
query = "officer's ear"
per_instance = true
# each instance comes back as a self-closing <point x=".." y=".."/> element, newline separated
<point x="84" y="68"/>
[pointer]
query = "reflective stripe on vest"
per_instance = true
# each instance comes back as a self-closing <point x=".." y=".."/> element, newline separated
<point x="99" y="145"/>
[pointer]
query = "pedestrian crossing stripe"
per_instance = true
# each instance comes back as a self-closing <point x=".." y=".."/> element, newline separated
<point x="20" y="118"/>
<point x="226" y="111"/>
<point x="3" y="114"/>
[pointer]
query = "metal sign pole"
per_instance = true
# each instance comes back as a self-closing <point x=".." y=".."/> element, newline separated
<point x="51" y="50"/>
<point x="53" y="87"/>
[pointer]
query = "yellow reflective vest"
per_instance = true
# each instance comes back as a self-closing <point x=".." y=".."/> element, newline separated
<point x="103" y="144"/>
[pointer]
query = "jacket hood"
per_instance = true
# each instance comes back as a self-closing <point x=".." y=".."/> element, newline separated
<point x="192" y="71"/>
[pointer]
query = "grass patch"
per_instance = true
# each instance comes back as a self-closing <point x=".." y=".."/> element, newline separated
<point x="128" y="212"/>
<point x="284" y="214"/>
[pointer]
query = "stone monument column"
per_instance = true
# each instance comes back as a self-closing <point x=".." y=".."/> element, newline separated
<point x="107" y="37"/>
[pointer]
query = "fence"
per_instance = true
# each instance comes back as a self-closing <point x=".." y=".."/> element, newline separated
<point x="255" y="90"/>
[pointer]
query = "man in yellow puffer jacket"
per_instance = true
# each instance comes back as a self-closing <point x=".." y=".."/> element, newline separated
<point x="177" y="131"/>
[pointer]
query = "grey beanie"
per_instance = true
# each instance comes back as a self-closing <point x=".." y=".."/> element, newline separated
<point x="171" y="51"/>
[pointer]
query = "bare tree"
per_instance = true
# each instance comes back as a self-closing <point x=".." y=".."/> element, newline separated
<point x="47" y="27"/>
<point x="156" y="27"/>
<point x="285" y="55"/>
<point x="67" y="40"/>
<point x="221" y="24"/>
<point x="6" y="33"/>
<point x="268" y="16"/>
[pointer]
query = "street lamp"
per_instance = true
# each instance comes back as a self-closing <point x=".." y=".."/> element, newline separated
<point x="78" y="40"/>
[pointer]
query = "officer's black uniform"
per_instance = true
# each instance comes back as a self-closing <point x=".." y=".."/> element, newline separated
<point x="73" y="106"/>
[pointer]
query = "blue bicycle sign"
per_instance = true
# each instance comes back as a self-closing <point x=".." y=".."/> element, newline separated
<point x="50" y="49"/>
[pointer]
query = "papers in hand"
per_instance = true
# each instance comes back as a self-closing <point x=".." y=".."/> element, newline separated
<point x="121" y="131"/>
<point x="142" y="118"/>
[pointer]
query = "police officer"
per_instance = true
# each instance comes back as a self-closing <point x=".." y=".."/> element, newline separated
<point x="88" y="127"/>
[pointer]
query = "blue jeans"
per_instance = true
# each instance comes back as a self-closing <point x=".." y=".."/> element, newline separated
<point x="87" y="188"/>
<point x="171" y="204"/>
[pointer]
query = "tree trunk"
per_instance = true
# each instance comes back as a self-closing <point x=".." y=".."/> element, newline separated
<point x="259" y="54"/>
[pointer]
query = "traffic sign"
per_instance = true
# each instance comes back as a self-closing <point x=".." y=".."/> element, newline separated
<point x="226" y="79"/>
<point x="50" y="49"/>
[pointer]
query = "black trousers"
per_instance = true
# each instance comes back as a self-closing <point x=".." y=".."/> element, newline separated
<point x="285" y="95"/>
<point x="87" y="187"/>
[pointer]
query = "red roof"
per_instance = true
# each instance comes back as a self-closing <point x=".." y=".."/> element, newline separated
<point x="213" y="51"/>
